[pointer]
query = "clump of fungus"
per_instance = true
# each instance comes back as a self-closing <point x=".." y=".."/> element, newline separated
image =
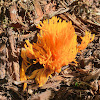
<point x="56" y="46"/>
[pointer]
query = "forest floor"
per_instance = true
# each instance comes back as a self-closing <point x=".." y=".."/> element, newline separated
<point x="18" y="20"/>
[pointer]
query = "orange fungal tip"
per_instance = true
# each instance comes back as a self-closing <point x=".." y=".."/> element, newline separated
<point x="86" y="40"/>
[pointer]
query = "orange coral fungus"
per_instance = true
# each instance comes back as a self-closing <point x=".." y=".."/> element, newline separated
<point x="56" y="47"/>
<point x="86" y="40"/>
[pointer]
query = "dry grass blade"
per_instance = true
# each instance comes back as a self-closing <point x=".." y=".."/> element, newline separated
<point x="38" y="8"/>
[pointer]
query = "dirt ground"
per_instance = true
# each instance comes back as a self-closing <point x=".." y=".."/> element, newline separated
<point x="18" y="20"/>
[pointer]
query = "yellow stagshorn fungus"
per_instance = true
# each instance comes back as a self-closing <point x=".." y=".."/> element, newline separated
<point x="56" y="46"/>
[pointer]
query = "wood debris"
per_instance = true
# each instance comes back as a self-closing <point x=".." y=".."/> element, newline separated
<point x="18" y="22"/>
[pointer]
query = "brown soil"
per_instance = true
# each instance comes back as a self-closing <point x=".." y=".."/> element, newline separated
<point x="18" y="20"/>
